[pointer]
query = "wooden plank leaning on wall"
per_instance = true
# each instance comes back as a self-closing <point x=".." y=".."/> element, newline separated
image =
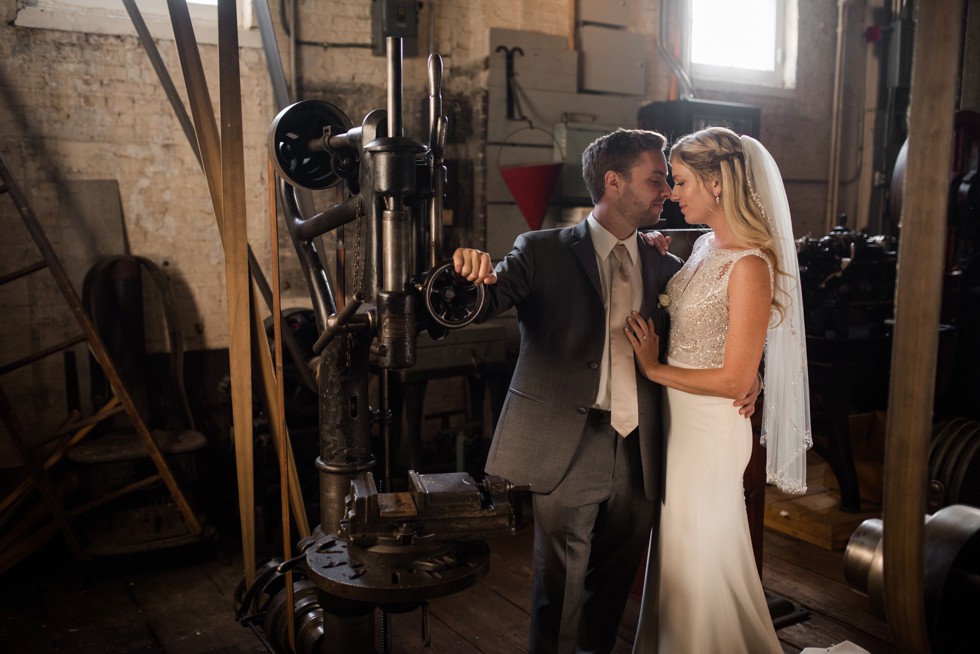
<point x="917" y="304"/>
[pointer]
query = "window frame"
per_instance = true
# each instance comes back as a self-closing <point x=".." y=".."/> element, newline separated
<point x="783" y="77"/>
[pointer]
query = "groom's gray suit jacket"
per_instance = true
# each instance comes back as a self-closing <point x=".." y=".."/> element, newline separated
<point x="552" y="278"/>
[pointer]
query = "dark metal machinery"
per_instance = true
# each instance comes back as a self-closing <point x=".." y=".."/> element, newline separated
<point x="375" y="549"/>
<point x="951" y="534"/>
<point x="951" y="574"/>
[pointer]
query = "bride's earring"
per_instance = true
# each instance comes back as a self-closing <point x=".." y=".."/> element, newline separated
<point x="718" y="199"/>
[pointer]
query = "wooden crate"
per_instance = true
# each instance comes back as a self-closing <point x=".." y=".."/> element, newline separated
<point x="814" y="517"/>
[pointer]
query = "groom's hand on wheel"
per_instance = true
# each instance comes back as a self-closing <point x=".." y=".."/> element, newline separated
<point x="474" y="265"/>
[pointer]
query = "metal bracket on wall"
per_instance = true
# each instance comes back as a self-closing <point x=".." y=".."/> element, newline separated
<point x="513" y="103"/>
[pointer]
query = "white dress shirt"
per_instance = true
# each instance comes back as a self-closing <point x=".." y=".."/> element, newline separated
<point x="604" y="242"/>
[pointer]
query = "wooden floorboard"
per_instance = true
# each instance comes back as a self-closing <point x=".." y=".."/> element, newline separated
<point x="171" y="604"/>
<point x="822" y="595"/>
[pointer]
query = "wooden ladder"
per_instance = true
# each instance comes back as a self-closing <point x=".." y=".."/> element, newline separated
<point x="36" y="468"/>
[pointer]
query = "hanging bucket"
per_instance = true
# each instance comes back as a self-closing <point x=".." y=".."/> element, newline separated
<point x="531" y="184"/>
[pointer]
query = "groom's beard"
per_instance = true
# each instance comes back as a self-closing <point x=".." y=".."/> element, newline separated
<point x="635" y="212"/>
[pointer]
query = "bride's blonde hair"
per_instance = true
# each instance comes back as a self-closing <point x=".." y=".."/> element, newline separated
<point x="715" y="153"/>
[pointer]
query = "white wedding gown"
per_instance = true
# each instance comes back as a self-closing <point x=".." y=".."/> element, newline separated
<point x="710" y="598"/>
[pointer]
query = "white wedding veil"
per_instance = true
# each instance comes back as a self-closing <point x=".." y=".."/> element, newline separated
<point x="786" y="410"/>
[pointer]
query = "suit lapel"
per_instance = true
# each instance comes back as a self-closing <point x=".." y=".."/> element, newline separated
<point x="650" y="272"/>
<point x="585" y="253"/>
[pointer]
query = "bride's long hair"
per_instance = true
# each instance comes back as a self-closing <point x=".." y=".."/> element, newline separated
<point x="716" y="153"/>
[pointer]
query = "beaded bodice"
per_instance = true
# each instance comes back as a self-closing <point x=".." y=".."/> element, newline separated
<point x="699" y="304"/>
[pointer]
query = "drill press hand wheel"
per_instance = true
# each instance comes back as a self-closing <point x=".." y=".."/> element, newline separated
<point x="299" y="149"/>
<point x="450" y="299"/>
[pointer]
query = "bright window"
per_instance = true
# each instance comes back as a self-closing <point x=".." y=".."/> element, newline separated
<point x="744" y="42"/>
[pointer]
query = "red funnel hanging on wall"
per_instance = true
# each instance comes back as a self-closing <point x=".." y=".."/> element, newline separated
<point x="532" y="186"/>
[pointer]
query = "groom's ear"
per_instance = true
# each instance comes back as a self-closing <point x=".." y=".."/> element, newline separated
<point x="614" y="182"/>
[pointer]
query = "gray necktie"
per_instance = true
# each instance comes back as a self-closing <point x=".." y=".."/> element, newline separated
<point x="622" y="369"/>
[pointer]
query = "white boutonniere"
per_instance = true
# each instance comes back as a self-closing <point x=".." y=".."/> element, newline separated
<point x="663" y="301"/>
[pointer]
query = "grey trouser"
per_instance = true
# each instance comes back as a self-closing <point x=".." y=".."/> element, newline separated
<point x="590" y="535"/>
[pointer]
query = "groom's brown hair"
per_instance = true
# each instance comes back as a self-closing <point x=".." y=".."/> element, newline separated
<point x="617" y="151"/>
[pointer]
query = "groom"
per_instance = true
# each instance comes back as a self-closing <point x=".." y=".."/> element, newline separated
<point x="579" y="423"/>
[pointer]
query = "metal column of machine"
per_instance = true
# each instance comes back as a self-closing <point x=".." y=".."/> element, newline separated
<point x="373" y="548"/>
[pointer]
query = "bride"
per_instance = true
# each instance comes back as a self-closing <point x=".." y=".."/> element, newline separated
<point x="737" y="296"/>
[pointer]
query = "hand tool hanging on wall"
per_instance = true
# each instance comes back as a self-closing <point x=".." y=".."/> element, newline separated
<point x="514" y="111"/>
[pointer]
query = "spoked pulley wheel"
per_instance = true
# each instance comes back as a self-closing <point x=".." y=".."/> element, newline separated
<point x="450" y="299"/>
<point x="297" y="148"/>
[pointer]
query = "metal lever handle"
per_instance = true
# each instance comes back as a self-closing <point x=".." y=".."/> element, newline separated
<point x="437" y="146"/>
<point x="337" y="322"/>
<point x="436" y="143"/>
